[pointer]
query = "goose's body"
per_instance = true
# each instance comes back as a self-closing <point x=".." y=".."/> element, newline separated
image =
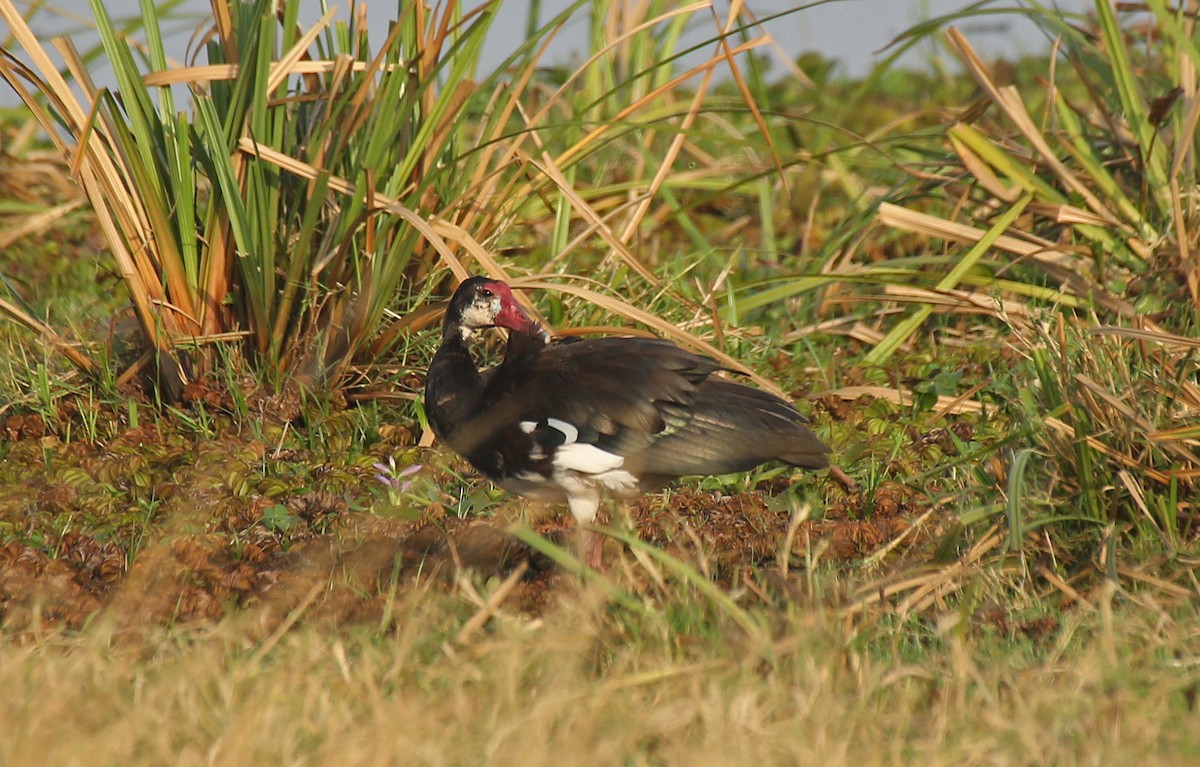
<point x="574" y="421"/>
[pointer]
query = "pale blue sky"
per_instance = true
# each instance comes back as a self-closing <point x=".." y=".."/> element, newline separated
<point x="852" y="31"/>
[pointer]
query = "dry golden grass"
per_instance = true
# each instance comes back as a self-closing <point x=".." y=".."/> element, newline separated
<point x="1114" y="685"/>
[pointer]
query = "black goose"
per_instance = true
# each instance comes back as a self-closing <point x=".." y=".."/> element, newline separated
<point x="575" y="420"/>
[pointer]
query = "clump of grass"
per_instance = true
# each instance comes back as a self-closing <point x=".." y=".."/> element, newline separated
<point x="1062" y="196"/>
<point x="320" y="175"/>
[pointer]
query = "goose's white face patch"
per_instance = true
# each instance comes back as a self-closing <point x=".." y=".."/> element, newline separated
<point x="480" y="314"/>
<point x="528" y="426"/>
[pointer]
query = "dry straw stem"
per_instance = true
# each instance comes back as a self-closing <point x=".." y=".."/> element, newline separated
<point x="37" y="223"/>
<point x="551" y="167"/>
<point x="33" y="225"/>
<point x="435" y="230"/>
<point x="948" y="300"/>
<point x="489" y="608"/>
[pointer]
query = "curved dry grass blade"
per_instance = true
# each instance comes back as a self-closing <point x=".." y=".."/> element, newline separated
<point x="1062" y="265"/>
<point x="287" y="65"/>
<point x="691" y="576"/>
<point x="959" y="301"/>
<point x="899" y="217"/>
<point x="735" y="10"/>
<point x="1154" y="335"/>
<point x="612" y="43"/>
<point x="60" y="344"/>
<point x="597" y="133"/>
<point x="1066" y="429"/>
<point x="280" y="70"/>
<point x="435" y="230"/>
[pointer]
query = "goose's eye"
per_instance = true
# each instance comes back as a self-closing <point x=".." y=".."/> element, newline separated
<point x="486" y="293"/>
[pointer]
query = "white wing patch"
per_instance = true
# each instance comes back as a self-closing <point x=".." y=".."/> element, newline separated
<point x="572" y="456"/>
<point x="570" y="433"/>
<point x="586" y="459"/>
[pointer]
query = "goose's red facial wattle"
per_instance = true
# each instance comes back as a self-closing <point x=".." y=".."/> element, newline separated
<point x="511" y="315"/>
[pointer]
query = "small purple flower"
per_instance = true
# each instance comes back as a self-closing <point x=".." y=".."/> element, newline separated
<point x="393" y="479"/>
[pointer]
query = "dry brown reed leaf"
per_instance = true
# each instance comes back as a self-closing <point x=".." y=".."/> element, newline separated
<point x="851" y="327"/>
<point x="1063" y="265"/>
<point x="585" y="143"/>
<point x="735" y="12"/>
<point x="494" y="600"/>
<point x="286" y="66"/>
<point x="205" y="73"/>
<point x="665" y="167"/>
<point x="595" y="221"/>
<point x="1066" y="589"/>
<point x="932" y="226"/>
<point x="516" y="186"/>
<point x="935" y="588"/>
<point x="959" y="301"/>
<point x="982" y="172"/>
<point x="905" y="398"/>
<point x="613" y="42"/>
<point x="1126" y="416"/>
<point x="1067" y="214"/>
<point x="435" y="230"/>
<point x="37" y="223"/>
<point x="877" y="556"/>
<point x="924" y="586"/>
<point x="551" y="167"/>
<point x="611" y="330"/>
<point x="489" y="197"/>
<point x="1160" y="584"/>
<point x="1137" y="494"/>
